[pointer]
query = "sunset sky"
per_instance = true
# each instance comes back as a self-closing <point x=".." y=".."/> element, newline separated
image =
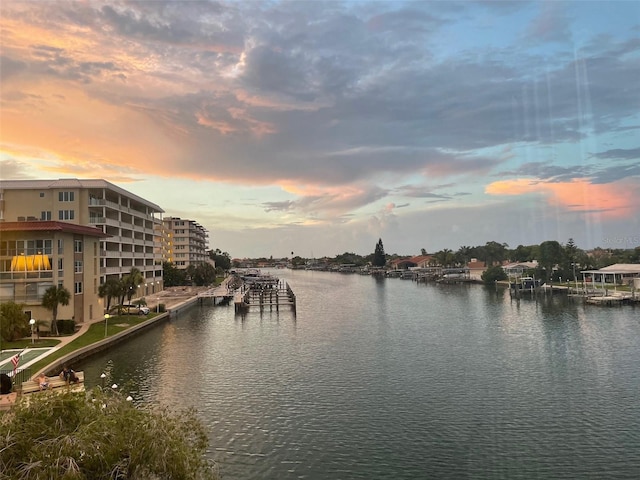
<point x="318" y="127"/>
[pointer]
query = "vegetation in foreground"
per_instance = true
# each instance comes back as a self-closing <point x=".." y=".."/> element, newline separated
<point x="100" y="435"/>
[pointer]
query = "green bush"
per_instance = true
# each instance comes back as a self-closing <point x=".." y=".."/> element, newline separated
<point x="66" y="327"/>
<point x="13" y="322"/>
<point x="162" y="308"/>
<point x="493" y="274"/>
<point x="100" y="435"/>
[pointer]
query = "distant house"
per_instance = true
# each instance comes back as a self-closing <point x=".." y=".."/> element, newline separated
<point x="476" y="269"/>
<point x="520" y="268"/>
<point x="402" y="264"/>
<point x="423" y="261"/>
<point x="618" y="274"/>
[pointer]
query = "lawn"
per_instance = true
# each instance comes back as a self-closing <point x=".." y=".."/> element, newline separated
<point x="95" y="333"/>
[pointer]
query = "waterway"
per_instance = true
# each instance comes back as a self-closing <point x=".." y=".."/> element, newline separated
<point x="389" y="379"/>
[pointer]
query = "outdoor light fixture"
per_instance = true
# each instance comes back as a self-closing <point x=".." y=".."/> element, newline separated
<point x="32" y="322"/>
<point x="106" y="321"/>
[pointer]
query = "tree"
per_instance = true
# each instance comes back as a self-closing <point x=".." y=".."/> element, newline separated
<point x="550" y="253"/>
<point x="204" y="274"/>
<point x="297" y="261"/>
<point x="53" y="297"/>
<point x="445" y="257"/>
<point x="14" y="324"/>
<point x="463" y="255"/>
<point x="131" y="281"/>
<point x="570" y="257"/>
<point x="102" y="436"/>
<point x="222" y="259"/>
<point x="494" y="252"/>
<point x="379" y="258"/>
<point x="172" y="276"/>
<point x="522" y="254"/>
<point x="112" y="288"/>
<point x="493" y="274"/>
<point x="190" y="273"/>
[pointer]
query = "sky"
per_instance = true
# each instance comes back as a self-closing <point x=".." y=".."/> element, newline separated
<point x="316" y="128"/>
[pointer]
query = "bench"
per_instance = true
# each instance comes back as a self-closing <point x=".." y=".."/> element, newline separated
<point x="32" y="386"/>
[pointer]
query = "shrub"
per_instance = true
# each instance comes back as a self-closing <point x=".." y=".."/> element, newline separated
<point x="100" y="435"/>
<point x="66" y="327"/>
<point x="493" y="274"/>
<point x="162" y="308"/>
<point x="13" y="322"/>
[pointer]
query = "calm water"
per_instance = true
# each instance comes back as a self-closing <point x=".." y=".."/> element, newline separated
<point x="388" y="379"/>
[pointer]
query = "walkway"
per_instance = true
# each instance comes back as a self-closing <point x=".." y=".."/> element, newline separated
<point x="170" y="297"/>
<point x="34" y="354"/>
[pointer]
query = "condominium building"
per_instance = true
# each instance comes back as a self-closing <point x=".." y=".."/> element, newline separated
<point x="184" y="242"/>
<point x="127" y="220"/>
<point x="36" y="255"/>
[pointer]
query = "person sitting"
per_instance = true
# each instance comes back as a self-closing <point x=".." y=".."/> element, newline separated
<point x="68" y="375"/>
<point x="43" y="382"/>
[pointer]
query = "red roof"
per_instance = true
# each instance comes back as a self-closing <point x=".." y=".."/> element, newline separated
<point x="50" y="226"/>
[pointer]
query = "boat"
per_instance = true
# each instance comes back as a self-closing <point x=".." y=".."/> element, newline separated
<point x="524" y="283"/>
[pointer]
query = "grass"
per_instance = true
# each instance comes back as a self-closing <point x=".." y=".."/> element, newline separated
<point x="95" y="333"/>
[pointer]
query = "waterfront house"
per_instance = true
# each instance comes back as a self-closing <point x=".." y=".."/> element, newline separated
<point x="518" y="269"/>
<point x="617" y="274"/>
<point x="476" y="269"/>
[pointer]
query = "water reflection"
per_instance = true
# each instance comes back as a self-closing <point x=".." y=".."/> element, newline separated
<point x="392" y="379"/>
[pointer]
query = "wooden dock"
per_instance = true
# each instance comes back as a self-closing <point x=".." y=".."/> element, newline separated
<point x="270" y="297"/>
<point x="605" y="300"/>
<point x="262" y="291"/>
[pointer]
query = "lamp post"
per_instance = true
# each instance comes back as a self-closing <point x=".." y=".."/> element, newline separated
<point x="102" y="377"/>
<point x="106" y="322"/>
<point x="32" y="322"/>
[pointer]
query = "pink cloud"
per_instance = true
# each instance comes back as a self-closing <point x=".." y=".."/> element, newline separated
<point x="614" y="200"/>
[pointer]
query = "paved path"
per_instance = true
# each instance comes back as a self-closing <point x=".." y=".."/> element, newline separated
<point x="171" y="298"/>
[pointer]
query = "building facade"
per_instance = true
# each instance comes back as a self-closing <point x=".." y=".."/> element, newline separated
<point x="184" y="242"/>
<point x="36" y="255"/>
<point x="129" y="223"/>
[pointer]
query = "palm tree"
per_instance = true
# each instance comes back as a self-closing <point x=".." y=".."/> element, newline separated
<point x="53" y="297"/>
<point x="463" y="255"/>
<point x="131" y="281"/>
<point x="445" y="257"/>
<point x="112" y="288"/>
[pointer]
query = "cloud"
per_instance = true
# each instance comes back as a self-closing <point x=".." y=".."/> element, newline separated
<point x="620" y="154"/>
<point x="341" y="107"/>
<point x="14" y="169"/>
<point x="551" y="24"/>
<point x="614" y="200"/>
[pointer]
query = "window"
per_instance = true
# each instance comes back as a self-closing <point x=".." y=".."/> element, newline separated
<point x="41" y="194"/>
<point x="65" y="196"/>
<point x="60" y="246"/>
<point x="77" y="267"/>
<point x="60" y="265"/>
<point x="66" y="215"/>
<point x="77" y="246"/>
<point x="45" y="215"/>
<point x="78" y="288"/>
